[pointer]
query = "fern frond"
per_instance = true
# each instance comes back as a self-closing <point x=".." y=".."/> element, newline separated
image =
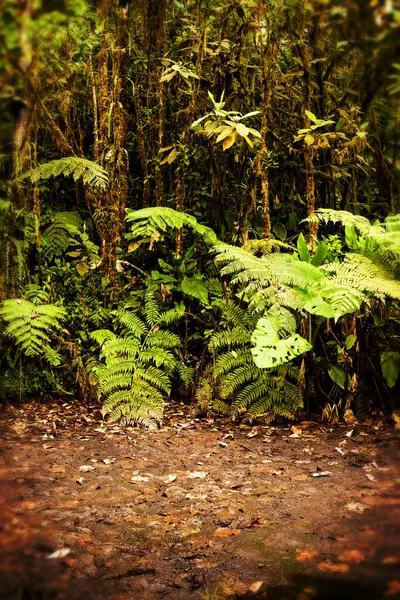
<point x="160" y="357"/>
<point x="361" y="273"/>
<point x="56" y="238"/>
<point x="151" y="308"/>
<point x="171" y="316"/>
<point x="147" y="221"/>
<point x="102" y="335"/>
<point x="229" y="338"/>
<point x="186" y="375"/>
<point x="154" y="376"/>
<point x="345" y="218"/>
<point x="134" y="324"/>
<point x="30" y="325"/>
<point x="236" y="378"/>
<point x="231" y="360"/>
<point x="91" y="173"/>
<point x="163" y="339"/>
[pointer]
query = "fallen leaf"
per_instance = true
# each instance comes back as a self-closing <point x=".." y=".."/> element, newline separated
<point x="340" y="451"/>
<point x="60" y="553"/>
<point x="330" y="567"/>
<point x="197" y="474"/>
<point x="109" y="461"/>
<point x="225" y="532"/>
<point x="80" y="480"/>
<point x="352" y="556"/>
<point x="86" y="468"/>
<point x="252" y="434"/>
<point x="305" y="555"/>
<point x="196" y="496"/>
<point x="296" y="430"/>
<point x="256" y="586"/>
<point x="321" y="474"/>
<point x="349" y="433"/>
<point x="139" y="478"/>
<point x="169" y="479"/>
<point x="356" y="507"/>
<point x="370" y="477"/>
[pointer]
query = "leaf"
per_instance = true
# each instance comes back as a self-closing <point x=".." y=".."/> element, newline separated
<point x="242" y="130"/>
<point x="225" y="132"/>
<point x="280" y="231"/>
<point x="226" y="532"/>
<point x="339" y="376"/>
<point x="82" y="268"/>
<point x="302" y="249"/>
<point x="194" y="286"/>
<point x="229" y="141"/>
<point x="60" y="553"/>
<point x="318" y="306"/>
<point x="270" y="350"/>
<point x="330" y="567"/>
<point x="168" y="76"/>
<point x="171" y="157"/>
<point x="256" y="586"/>
<point x="390" y="363"/>
<point x="309" y="139"/>
<point x="197" y="474"/>
<point x="251" y="114"/>
<point x="350" y="341"/>
<point x="320" y="254"/>
<point x="311" y="116"/>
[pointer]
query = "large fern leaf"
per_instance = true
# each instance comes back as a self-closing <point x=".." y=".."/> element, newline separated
<point x="30" y="325"/>
<point x="90" y="172"/>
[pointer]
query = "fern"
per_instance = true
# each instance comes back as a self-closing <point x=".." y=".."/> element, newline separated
<point x="57" y="236"/>
<point x="136" y="367"/>
<point x="90" y="172"/>
<point x="240" y="384"/>
<point x="345" y="218"/>
<point x="30" y="325"/>
<point x="150" y="221"/>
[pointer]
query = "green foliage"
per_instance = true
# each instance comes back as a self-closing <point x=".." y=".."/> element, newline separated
<point x="56" y="237"/>
<point x="30" y="325"/>
<point x="72" y="166"/>
<point x="250" y="390"/>
<point x="137" y="366"/>
<point x="149" y="222"/>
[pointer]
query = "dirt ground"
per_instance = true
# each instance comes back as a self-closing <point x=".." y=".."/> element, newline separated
<point x="198" y="509"/>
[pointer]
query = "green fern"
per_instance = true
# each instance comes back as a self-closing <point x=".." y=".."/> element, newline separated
<point x="30" y="325"/>
<point x="148" y="222"/>
<point x="240" y="384"/>
<point x="55" y="239"/>
<point x="90" y="172"/>
<point x="136" y="367"/>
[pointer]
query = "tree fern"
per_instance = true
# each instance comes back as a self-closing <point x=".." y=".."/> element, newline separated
<point x="90" y="172"/>
<point x="30" y="325"/>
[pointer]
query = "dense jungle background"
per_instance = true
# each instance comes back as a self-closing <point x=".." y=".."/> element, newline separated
<point x="200" y="201"/>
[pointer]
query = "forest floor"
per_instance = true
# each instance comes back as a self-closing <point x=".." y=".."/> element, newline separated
<point x="198" y="509"/>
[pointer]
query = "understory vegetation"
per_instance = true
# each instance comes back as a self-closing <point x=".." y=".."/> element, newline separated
<point x="200" y="203"/>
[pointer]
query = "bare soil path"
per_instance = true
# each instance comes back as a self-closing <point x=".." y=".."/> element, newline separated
<point x="198" y="509"/>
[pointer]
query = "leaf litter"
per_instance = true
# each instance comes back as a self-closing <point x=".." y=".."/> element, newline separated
<point x="252" y="509"/>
